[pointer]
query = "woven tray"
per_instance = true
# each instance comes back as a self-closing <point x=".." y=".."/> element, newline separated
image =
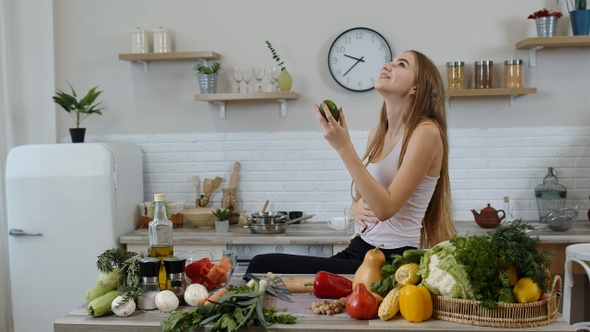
<point x="517" y="315"/>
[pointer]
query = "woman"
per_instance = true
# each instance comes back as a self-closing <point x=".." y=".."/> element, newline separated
<point x="402" y="198"/>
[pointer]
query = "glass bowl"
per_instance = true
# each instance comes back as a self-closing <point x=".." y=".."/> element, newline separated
<point x="212" y="268"/>
<point x="562" y="219"/>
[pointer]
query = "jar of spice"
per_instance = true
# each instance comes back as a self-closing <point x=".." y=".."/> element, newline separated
<point x="455" y="75"/>
<point x="513" y="73"/>
<point x="483" y="74"/>
<point x="149" y="269"/>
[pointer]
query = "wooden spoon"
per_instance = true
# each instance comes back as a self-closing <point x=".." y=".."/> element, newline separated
<point x="265" y="206"/>
<point x="208" y="187"/>
<point x="216" y="183"/>
<point x="197" y="183"/>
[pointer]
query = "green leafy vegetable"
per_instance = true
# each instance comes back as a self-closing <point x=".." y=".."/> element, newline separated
<point x="241" y="307"/>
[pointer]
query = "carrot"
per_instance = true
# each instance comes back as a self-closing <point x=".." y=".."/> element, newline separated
<point x="215" y="296"/>
<point x="225" y="263"/>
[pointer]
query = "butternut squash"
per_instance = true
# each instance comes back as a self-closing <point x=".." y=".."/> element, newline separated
<point x="370" y="270"/>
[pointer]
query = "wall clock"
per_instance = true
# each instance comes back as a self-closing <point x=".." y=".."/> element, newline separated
<point x="356" y="56"/>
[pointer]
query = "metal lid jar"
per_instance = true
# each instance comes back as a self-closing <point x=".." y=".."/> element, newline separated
<point x="550" y="195"/>
<point x="483" y="74"/>
<point x="513" y="73"/>
<point x="455" y="75"/>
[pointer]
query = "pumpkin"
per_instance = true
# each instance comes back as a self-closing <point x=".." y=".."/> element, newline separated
<point x="370" y="270"/>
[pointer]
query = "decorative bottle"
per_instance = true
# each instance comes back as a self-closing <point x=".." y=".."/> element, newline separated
<point x="160" y="236"/>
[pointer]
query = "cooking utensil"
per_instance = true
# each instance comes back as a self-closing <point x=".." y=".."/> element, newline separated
<point x="274" y="228"/>
<point x="265" y="206"/>
<point x="233" y="180"/>
<point x="269" y="288"/>
<point x="207" y="187"/>
<point x="278" y="283"/>
<point x="197" y="183"/>
<point x="216" y="183"/>
<point x="562" y="219"/>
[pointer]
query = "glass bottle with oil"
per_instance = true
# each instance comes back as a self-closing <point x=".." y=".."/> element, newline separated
<point x="160" y="236"/>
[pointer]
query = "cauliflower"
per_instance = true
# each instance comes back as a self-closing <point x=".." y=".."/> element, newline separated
<point x="442" y="274"/>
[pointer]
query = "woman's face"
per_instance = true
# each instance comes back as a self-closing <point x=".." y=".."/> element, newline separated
<point x="398" y="76"/>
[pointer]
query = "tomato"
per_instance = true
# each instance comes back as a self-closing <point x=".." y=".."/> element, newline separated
<point x="361" y="304"/>
<point x="194" y="269"/>
<point x="206" y="273"/>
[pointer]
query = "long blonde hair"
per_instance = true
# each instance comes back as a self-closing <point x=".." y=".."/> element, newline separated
<point x="428" y="103"/>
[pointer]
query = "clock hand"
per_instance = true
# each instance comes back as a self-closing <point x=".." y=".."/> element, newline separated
<point x="357" y="61"/>
<point x="361" y="59"/>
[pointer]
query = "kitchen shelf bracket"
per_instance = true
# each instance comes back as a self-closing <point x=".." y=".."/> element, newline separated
<point x="221" y="104"/>
<point x="533" y="55"/>
<point x="283" y="107"/>
<point x="146" y="66"/>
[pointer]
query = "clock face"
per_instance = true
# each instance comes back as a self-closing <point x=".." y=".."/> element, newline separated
<point x="356" y="56"/>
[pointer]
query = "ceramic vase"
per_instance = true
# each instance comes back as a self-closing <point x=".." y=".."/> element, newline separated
<point x="546" y="26"/>
<point x="285" y="81"/>
<point x="580" y="19"/>
<point x="77" y="134"/>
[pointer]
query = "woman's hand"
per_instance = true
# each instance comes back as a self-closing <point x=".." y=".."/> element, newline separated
<point x="361" y="213"/>
<point x="335" y="133"/>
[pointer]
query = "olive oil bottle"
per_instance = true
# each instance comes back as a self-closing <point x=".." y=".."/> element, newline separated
<point x="160" y="236"/>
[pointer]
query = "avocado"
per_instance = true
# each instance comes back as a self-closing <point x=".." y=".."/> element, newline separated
<point x="332" y="108"/>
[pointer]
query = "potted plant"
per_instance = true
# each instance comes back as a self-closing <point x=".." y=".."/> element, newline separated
<point x="221" y="214"/>
<point x="208" y="75"/>
<point x="579" y="16"/>
<point x="78" y="109"/>
<point x="284" y="82"/>
<point x="546" y="21"/>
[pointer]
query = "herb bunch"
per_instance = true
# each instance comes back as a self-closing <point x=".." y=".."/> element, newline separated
<point x="241" y="307"/>
<point x="275" y="55"/>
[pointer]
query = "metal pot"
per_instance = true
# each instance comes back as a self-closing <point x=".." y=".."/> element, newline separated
<point x="267" y="218"/>
<point x="273" y="228"/>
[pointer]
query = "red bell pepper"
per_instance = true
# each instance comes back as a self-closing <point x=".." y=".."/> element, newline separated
<point x="328" y="285"/>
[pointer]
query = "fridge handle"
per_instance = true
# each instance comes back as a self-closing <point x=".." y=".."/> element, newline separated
<point x="20" y="232"/>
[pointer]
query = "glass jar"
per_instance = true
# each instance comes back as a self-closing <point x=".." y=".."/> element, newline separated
<point x="455" y="75"/>
<point x="149" y="268"/>
<point x="550" y="195"/>
<point x="483" y="74"/>
<point x="513" y="73"/>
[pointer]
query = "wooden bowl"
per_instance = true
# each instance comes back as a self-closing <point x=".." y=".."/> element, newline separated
<point x="203" y="218"/>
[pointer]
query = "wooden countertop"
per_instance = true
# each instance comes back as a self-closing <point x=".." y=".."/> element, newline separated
<point x="321" y="233"/>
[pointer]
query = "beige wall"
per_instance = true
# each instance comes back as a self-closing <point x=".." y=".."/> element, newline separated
<point x="87" y="47"/>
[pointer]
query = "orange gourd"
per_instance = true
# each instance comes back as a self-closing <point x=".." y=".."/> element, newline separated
<point x="415" y="303"/>
<point x="370" y="270"/>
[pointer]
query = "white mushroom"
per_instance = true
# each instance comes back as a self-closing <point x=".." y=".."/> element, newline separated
<point x="166" y="301"/>
<point x="122" y="306"/>
<point x="195" y="295"/>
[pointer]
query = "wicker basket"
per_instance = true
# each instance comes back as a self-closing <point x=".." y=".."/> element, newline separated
<point x="511" y="315"/>
<point x="176" y="218"/>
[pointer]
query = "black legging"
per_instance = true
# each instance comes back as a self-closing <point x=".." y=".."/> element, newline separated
<point x="345" y="262"/>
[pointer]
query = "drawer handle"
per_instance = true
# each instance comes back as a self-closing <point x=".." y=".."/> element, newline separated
<point x="20" y="232"/>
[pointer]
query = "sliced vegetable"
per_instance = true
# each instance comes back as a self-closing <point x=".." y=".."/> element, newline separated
<point x="328" y="285"/>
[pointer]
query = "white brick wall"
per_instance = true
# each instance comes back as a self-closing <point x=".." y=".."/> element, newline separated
<point x="300" y="171"/>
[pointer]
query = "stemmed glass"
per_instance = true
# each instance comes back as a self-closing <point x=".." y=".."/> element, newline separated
<point x="247" y="76"/>
<point x="276" y="71"/>
<point x="271" y="77"/>
<point x="259" y="75"/>
<point x="238" y="75"/>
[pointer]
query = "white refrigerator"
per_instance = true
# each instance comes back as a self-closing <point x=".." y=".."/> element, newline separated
<point x="66" y="204"/>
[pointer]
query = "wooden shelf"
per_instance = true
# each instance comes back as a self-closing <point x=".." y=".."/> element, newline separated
<point x="222" y="98"/>
<point x="534" y="44"/>
<point x="512" y="93"/>
<point x="145" y="58"/>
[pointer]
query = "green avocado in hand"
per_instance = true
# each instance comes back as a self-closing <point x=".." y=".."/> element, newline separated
<point x="332" y="108"/>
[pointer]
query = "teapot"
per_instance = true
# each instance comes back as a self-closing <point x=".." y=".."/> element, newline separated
<point x="488" y="217"/>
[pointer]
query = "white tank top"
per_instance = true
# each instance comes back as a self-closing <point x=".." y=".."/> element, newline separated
<point x="403" y="229"/>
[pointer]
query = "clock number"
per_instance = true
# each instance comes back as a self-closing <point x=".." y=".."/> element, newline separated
<point x="347" y="40"/>
<point x="360" y="84"/>
<point x="359" y="35"/>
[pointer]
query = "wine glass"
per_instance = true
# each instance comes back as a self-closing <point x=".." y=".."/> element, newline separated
<point x="247" y="76"/>
<point x="259" y="75"/>
<point x="271" y="77"/>
<point x="238" y="75"/>
<point x="276" y="71"/>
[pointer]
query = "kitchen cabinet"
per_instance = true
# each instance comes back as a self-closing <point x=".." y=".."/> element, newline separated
<point x="146" y="58"/>
<point x="221" y="99"/>
<point x="535" y="44"/>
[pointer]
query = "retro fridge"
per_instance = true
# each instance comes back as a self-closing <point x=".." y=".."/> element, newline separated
<point x="66" y="204"/>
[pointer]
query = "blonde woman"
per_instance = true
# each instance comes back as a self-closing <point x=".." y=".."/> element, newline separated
<point x="402" y="194"/>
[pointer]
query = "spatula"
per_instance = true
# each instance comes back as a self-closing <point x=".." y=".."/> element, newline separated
<point x="216" y="183"/>
<point x="207" y="187"/>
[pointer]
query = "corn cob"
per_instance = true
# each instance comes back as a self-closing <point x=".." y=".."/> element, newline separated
<point x="407" y="274"/>
<point x="390" y="305"/>
<point x="102" y="305"/>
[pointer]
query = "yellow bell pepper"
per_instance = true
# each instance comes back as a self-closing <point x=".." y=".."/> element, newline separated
<point x="415" y="303"/>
